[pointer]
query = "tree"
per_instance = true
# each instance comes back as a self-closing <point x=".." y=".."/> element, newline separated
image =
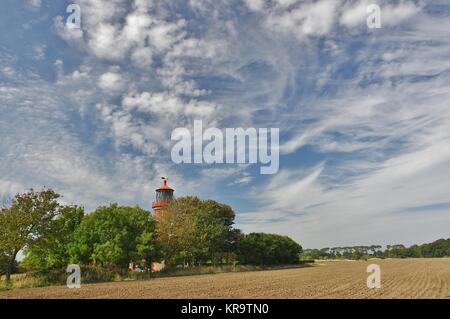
<point x="29" y="218"/>
<point x="357" y="254"/>
<point x="396" y="251"/>
<point x="175" y="230"/>
<point x="214" y="227"/>
<point x="438" y="248"/>
<point x="268" y="249"/>
<point x="193" y="231"/>
<point x="114" y="236"/>
<point x="52" y="250"/>
<point x="4" y="260"/>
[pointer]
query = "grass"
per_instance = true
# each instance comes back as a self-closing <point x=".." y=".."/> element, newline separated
<point x="96" y="275"/>
<point x="205" y="270"/>
<point x="56" y="277"/>
<point x="21" y="281"/>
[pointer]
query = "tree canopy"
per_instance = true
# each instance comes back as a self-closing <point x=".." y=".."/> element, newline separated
<point x="193" y="231"/>
<point x="52" y="250"/>
<point x="30" y="217"/>
<point x="268" y="249"/>
<point x="113" y="236"/>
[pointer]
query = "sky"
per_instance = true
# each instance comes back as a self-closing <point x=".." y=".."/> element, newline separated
<point x="364" y="114"/>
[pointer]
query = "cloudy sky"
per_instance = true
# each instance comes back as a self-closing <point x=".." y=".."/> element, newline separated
<point x="364" y="114"/>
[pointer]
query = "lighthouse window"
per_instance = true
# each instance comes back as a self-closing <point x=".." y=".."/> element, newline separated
<point x="163" y="195"/>
<point x="166" y="195"/>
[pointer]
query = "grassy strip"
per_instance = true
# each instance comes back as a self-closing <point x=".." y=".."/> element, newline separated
<point x="91" y="274"/>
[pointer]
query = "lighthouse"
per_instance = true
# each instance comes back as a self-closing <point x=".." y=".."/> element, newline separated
<point x="164" y="195"/>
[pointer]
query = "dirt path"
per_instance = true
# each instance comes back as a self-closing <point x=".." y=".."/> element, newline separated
<point x="408" y="278"/>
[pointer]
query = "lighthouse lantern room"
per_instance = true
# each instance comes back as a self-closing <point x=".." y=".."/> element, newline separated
<point x="164" y="195"/>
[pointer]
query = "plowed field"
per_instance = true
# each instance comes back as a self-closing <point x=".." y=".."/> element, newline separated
<point x="407" y="278"/>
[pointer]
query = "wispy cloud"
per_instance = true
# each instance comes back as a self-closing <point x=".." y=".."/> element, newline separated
<point x="364" y="114"/>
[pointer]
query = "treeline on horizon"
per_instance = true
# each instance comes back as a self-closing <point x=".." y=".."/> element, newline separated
<point x="192" y="232"/>
<point x="437" y="249"/>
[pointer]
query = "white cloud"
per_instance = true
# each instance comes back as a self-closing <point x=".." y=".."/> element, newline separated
<point x="39" y="51"/>
<point x="309" y="18"/>
<point x="71" y="35"/>
<point x="395" y="14"/>
<point x="8" y="71"/>
<point x="142" y="56"/>
<point x="34" y="3"/>
<point x="255" y="5"/>
<point x="110" y="81"/>
<point x="168" y="105"/>
<point x="355" y="14"/>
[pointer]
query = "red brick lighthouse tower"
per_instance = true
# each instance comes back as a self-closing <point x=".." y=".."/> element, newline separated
<point x="164" y="195"/>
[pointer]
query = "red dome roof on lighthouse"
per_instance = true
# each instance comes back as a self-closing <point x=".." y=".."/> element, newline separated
<point x="165" y="186"/>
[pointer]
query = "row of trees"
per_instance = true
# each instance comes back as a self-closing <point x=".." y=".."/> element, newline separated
<point x="194" y="232"/>
<point x="191" y="232"/>
<point x="352" y="252"/>
<point x="436" y="249"/>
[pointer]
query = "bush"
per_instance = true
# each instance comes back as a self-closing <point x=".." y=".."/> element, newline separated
<point x="268" y="249"/>
<point x="306" y="260"/>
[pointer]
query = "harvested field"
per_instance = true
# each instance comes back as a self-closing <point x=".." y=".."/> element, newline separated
<point x="400" y="278"/>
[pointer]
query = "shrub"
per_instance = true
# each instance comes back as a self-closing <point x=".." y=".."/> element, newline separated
<point x="268" y="249"/>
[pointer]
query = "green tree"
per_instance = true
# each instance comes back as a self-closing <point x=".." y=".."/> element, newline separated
<point x="52" y="250"/>
<point x="268" y="249"/>
<point x="3" y="263"/>
<point x="214" y="231"/>
<point x="357" y="254"/>
<point x="396" y="251"/>
<point x="438" y="248"/>
<point x="193" y="231"/>
<point x="30" y="217"/>
<point x="113" y="236"/>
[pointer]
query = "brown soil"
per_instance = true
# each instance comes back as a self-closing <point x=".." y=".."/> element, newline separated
<point x="400" y="278"/>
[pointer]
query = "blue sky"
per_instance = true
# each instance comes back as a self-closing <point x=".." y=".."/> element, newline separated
<point x="364" y="114"/>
